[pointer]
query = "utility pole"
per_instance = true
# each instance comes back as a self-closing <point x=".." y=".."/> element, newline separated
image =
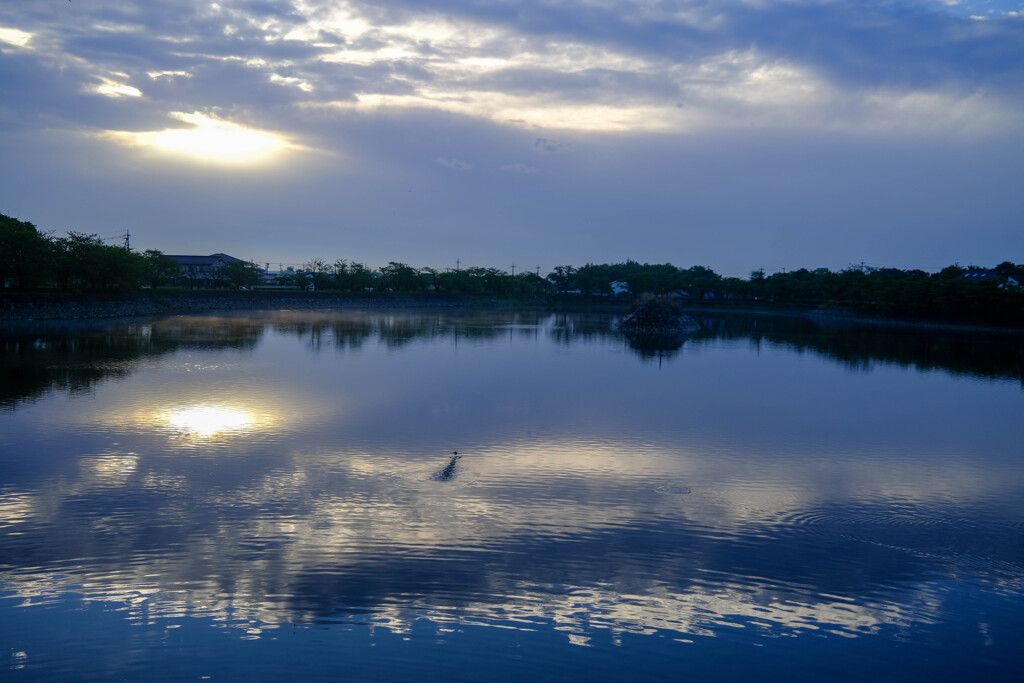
<point x="513" y="270"/>
<point x="127" y="244"/>
<point x="457" y="262"/>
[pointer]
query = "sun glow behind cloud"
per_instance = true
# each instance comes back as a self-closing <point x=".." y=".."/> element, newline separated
<point x="211" y="139"/>
<point x="13" y="36"/>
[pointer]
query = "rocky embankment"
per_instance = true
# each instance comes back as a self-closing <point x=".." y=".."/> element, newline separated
<point x="59" y="307"/>
<point x="656" y="318"/>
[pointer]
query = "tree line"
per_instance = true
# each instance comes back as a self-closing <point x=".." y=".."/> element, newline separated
<point x="956" y="293"/>
<point x="32" y="260"/>
<point x="78" y="262"/>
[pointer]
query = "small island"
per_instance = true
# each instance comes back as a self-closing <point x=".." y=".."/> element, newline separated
<point x="657" y="318"/>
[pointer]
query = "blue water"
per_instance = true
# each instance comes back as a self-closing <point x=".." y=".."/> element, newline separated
<point x="275" y="496"/>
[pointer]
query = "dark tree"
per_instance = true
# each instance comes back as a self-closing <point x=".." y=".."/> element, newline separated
<point x="562" y="277"/>
<point x="162" y="269"/>
<point x="84" y="262"/>
<point x="25" y="255"/>
<point x="400" y="277"/>
<point x="240" y="273"/>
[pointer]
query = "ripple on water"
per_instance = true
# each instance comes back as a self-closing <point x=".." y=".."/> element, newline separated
<point x="673" y="489"/>
<point x="948" y="538"/>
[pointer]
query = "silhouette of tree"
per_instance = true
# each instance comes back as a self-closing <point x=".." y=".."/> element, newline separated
<point x="25" y="254"/>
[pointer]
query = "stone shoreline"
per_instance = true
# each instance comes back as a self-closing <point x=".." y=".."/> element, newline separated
<point x="58" y="307"/>
<point x="19" y="307"/>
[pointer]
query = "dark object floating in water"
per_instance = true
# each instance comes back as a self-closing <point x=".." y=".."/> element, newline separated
<point x="447" y="473"/>
<point x="657" y="318"/>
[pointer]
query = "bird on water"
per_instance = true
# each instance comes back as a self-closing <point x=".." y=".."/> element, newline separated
<point x="448" y="472"/>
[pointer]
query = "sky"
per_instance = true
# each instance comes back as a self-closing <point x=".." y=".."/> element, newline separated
<point x="733" y="134"/>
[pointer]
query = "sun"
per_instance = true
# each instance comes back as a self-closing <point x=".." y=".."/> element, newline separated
<point x="210" y="139"/>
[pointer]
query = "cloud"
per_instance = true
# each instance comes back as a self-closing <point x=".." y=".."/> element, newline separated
<point x="113" y="87"/>
<point x="695" y="90"/>
<point x="613" y="67"/>
<point x="454" y="164"/>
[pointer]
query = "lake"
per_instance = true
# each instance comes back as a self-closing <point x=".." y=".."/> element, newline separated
<point x="277" y="495"/>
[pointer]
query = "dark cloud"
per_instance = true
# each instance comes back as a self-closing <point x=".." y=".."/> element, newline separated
<point x="546" y="145"/>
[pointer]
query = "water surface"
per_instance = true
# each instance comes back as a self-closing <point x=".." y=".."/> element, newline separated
<point x="275" y="495"/>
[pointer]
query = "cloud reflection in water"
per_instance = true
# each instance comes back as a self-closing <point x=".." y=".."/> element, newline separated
<point x="575" y="537"/>
<point x="596" y="495"/>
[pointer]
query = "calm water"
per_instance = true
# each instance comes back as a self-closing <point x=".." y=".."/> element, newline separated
<point x="275" y="497"/>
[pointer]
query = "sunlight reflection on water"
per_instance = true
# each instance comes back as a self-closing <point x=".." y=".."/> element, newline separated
<point x="209" y="420"/>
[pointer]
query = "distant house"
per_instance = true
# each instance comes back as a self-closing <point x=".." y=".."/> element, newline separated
<point x="201" y="271"/>
<point x="982" y="275"/>
<point x="1005" y="280"/>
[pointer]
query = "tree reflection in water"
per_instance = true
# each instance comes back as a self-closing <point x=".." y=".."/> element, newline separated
<point x="73" y="358"/>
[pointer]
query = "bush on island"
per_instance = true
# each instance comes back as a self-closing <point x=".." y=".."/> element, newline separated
<point x="658" y="318"/>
